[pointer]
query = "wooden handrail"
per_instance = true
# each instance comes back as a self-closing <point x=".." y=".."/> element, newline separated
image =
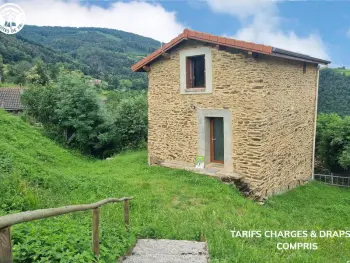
<point x="9" y="220"/>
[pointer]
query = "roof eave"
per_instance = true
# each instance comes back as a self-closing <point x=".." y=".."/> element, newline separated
<point x="277" y="52"/>
<point x="138" y="67"/>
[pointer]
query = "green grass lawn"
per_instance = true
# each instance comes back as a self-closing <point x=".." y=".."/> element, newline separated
<point x="172" y="204"/>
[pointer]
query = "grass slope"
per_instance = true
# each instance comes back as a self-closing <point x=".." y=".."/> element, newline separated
<point x="173" y="204"/>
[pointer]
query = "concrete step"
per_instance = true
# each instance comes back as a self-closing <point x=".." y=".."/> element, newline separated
<point x="168" y="251"/>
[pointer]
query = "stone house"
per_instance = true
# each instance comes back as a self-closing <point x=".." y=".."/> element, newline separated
<point x="10" y="99"/>
<point x="245" y="111"/>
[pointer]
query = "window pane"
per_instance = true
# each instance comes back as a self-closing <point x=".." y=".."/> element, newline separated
<point x="198" y="71"/>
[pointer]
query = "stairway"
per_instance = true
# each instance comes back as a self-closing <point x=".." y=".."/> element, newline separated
<point x="168" y="251"/>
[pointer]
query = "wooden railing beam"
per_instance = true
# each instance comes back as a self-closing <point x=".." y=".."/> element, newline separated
<point x="9" y="220"/>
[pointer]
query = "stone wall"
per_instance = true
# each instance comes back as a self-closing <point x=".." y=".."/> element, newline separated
<point x="272" y="104"/>
<point x="290" y="110"/>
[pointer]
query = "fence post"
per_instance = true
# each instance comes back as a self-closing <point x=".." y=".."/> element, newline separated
<point x="5" y="245"/>
<point x="126" y="213"/>
<point x="95" y="232"/>
<point x="332" y="178"/>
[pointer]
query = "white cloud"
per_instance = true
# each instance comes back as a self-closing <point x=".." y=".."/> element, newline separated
<point x="261" y="23"/>
<point x="242" y="8"/>
<point x="143" y="18"/>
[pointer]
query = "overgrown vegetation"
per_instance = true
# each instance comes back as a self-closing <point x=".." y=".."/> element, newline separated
<point x="71" y="112"/>
<point x="333" y="142"/>
<point x="173" y="204"/>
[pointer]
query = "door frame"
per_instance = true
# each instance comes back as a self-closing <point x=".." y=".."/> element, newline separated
<point x="212" y="159"/>
<point x="203" y="135"/>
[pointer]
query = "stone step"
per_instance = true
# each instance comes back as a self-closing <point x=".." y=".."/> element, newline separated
<point x="161" y="258"/>
<point x="168" y="251"/>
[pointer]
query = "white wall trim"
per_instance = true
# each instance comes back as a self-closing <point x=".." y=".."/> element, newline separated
<point x="206" y="51"/>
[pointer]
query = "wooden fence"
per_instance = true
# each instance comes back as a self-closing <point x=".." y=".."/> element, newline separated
<point x="333" y="179"/>
<point x="9" y="220"/>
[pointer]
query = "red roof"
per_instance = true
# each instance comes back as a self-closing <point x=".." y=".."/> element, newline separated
<point x="189" y="34"/>
<point x="227" y="42"/>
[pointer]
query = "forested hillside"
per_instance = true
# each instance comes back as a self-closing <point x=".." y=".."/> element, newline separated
<point x="104" y="54"/>
<point x="107" y="54"/>
<point x="334" y="92"/>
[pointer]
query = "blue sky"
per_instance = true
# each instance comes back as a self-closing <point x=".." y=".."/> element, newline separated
<point x="318" y="28"/>
<point x="330" y="20"/>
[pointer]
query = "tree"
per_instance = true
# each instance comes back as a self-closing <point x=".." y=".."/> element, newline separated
<point x="38" y="74"/>
<point x="1" y="69"/>
<point x="71" y="112"/>
<point x="334" y="92"/>
<point x="16" y="72"/>
<point x="333" y="142"/>
<point x="131" y="121"/>
<point x="42" y="72"/>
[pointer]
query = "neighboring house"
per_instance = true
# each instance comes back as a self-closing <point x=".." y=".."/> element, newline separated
<point x="247" y="110"/>
<point x="10" y="99"/>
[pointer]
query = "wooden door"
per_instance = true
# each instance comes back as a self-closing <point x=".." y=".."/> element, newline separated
<point x="217" y="140"/>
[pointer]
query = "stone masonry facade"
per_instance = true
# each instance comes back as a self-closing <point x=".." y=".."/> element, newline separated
<point x="272" y="102"/>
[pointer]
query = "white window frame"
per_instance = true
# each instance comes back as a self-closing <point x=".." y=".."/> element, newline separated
<point x="206" y="51"/>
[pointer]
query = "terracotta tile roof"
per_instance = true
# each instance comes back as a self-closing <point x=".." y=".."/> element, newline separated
<point x="10" y="99"/>
<point x="223" y="41"/>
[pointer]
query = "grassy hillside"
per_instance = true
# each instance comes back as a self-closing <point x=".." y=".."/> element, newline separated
<point x="173" y="204"/>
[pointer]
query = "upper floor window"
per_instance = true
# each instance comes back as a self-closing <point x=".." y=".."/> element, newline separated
<point x="195" y="70"/>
